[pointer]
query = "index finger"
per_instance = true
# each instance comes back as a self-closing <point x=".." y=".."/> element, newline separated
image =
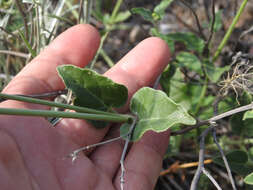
<point x="75" y="46"/>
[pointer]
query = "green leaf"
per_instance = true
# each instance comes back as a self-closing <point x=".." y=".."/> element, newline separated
<point x="250" y="152"/>
<point x="248" y="127"/>
<point x="156" y="112"/>
<point x="248" y="115"/>
<point x="206" y="106"/>
<point x="145" y="13"/>
<point x="214" y="73"/>
<point x="166" y="78"/>
<point x="249" y="179"/>
<point x="183" y="93"/>
<point x="240" y="126"/>
<point x="190" y="40"/>
<point x="190" y="61"/>
<point x="161" y="7"/>
<point x="93" y="90"/>
<point x="122" y="16"/>
<point x="236" y="123"/>
<point x="156" y="16"/>
<point x="235" y="156"/>
<point x="88" y="83"/>
<point x="237" y="161"/>
<point x="106" y="19"/>
<point x="98" y="15"/>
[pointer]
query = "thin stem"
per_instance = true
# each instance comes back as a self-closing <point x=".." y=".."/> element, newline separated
<point x="230" y="30"/>
<point x="225" y="160"/>
<point x="69" y="96"/>
<point x="67" y="21"/>
<point x="80" y="11"/>
<point x="55" y="104"/>
<point x="175" y="185"/>
<point x="75" y="115"/>
<point x="28" y="46"/>
<point x="211" y="179"/>
<point x="188" y="26"/>
<point x="46" y="95"/>
<point x="108" y="29"/>
<point x="196" y="18"/>
<point x="9" y="33"/>
<point x="123" y="155"/>
<point x="244" y="33"/>
<point x="165" y="183"/>
<point x="206" y="48"/>
<point x="75" y="153"/>
<point x="187" y="129"/>
<point x="19" y="54"/>
<point x="116" y="9"/>
<point x="37" y="27"/>
<point x="157" y="82"/>
<point x="70" y="7"/>
<point x="20" y="8"/>
<point x="87" y="9"/>
<point x="99" y="49"/>
<point x="201" y="159"/>
<point x="213" y="119"/>
<point x="107" y="59"/>
<point x="187" y="165"/>
<point x="231" y="112"/>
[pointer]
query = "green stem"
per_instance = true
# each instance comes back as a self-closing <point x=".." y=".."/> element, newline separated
<point x="106" y="58"/>
<point x="99" y="49"/>
<point x="70" y="7"/>
<point x="61" y="114"/>
<point x="230" y="30"/>
<point x="116" y="9"/>
<point x="28" y="46"/>
<point x="54" y="104"/>
<point x="108" y="29"/>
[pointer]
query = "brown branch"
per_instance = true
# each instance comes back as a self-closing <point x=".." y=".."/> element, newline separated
<point x="196" y="19"/>
<point x="189" y="128"/>
<point x="206" y="48"/>
<point x="190" y="28"/>
<point x="20" y="8"/>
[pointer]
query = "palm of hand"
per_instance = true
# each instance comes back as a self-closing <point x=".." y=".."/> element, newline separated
<point x="33" y="154"/>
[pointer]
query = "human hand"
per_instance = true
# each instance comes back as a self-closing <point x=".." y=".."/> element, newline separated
<point x="33" y="154"/>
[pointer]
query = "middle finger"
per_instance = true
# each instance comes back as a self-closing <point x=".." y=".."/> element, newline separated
<point x="140" y="67"/>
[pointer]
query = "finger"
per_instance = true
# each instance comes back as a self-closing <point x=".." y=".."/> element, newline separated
<point x="140" y="67"/>
<point x="141" y="73"/>
<point x="144" y="161"/>
<point x="75" y="46"/>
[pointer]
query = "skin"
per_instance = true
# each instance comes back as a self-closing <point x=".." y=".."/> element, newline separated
<point x="33" y="153"/>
